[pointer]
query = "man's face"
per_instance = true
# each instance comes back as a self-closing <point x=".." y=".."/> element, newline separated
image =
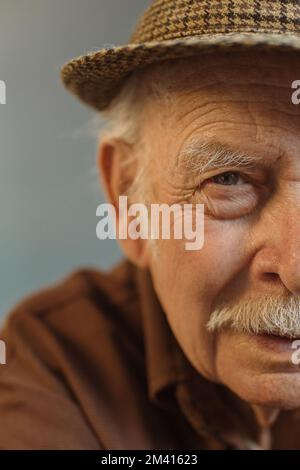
<point x="240" y="104"/>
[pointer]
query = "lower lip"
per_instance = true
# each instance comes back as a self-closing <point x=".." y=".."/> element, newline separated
<point x="275" y="343"/>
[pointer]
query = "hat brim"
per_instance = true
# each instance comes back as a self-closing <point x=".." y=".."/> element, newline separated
<point x="97" y="77"/>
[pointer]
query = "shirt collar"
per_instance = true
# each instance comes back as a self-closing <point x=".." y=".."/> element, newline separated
<point x="165" y="366"/>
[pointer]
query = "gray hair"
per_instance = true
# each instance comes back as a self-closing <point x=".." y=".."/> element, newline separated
<point x="127" y="114"/>
<point x="125" y="119"/>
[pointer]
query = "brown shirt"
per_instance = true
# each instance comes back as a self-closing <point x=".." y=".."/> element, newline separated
<point x="92" y="364"/>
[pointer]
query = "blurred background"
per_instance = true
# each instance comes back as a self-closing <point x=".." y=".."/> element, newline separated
<point x="49" y="187"/>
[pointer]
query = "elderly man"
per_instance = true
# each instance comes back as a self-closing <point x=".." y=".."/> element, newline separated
<point x="177" y="349"/>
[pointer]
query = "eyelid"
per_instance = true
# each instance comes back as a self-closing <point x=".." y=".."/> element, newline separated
<point x="229" y="201"/>
<point x="218" y="172"/>
<point x="238" y="174"/>
<point x="251" y="175"/>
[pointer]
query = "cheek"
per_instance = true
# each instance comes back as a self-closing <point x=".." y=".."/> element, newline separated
<point x="225" y="253"/>
<point x="201" y="274"/>
<point x="187" y="282"/>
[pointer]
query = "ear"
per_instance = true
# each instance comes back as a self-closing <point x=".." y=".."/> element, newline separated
<point x="111" y="154"/>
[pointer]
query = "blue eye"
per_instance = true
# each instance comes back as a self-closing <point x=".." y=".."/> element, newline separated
<point x="227" y="178"/>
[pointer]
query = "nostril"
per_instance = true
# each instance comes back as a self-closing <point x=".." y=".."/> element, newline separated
<point x="271" y="277"/>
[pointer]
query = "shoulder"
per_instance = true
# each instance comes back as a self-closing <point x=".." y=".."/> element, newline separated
<point x="58" y="342"/>
<point x="80" y="284"/>
<point x="82" y="298"/>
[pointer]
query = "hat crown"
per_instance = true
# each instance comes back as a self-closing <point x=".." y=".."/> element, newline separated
<point x="174" y="19"/>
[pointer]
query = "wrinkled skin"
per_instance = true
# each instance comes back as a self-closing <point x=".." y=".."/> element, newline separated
<point x="252" y="238"/>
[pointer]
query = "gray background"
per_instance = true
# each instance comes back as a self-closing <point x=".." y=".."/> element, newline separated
<point x="48" y="182"/>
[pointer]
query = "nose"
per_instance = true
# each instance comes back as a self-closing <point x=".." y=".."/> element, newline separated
<point x="289" y="255"/>
<point x="278" y="260"/>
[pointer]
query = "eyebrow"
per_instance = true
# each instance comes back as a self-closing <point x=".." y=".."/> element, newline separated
<point x="199" y="155"/>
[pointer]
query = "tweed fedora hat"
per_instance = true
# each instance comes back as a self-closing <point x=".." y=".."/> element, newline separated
<point x="171" y="29"/>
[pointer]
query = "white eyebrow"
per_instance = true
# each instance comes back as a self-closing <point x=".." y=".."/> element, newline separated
<point x="198" y="156"/>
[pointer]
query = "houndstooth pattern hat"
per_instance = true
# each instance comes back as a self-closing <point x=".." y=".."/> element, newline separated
<point x="171" y="29"/>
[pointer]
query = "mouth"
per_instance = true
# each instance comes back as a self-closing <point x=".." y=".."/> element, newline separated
<point x="277" y="343"/>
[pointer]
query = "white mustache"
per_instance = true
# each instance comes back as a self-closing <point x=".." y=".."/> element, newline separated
<point x="266" y="315"/>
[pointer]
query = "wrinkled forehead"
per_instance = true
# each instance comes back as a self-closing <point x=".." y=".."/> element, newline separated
<point x="243" y="100"/>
